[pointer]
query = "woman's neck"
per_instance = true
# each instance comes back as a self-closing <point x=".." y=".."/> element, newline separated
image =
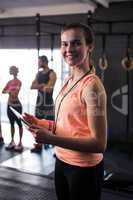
<point x="14" y="77"/>
<point x="77" y="72"/>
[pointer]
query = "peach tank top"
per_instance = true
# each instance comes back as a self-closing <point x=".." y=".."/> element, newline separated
<point x="72" y="122"/>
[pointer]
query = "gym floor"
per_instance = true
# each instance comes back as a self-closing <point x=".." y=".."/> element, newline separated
<point x="29" y="176"/>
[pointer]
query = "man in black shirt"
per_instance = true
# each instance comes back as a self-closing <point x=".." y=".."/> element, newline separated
<point x="44" y="82"/>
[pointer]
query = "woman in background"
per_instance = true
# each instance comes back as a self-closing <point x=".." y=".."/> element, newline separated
<point x="12" y="88"/>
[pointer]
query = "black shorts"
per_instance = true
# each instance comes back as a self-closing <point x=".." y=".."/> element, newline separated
<point x="12" y="117"/>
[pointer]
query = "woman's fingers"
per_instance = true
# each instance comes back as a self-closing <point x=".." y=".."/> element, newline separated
<point x="29" y="118"/>
<point x="26" y="117"/>
<point x="34" y="130"/>
<point x="40" y="134"/>
<point x="27" y="114"/>
<point x="34" y="127"/>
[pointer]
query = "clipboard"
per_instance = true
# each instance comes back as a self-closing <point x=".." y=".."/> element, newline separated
<point x="19" y="116"/>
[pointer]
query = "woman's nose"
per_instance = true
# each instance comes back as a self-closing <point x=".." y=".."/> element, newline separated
<point x="70" y="46"/>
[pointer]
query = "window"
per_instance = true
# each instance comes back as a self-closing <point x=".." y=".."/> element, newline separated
<point x="27" y="62"/>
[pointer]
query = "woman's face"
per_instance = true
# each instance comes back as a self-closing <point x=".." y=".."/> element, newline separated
<point x="73" y="47"/>
<point x="13" y="71"/>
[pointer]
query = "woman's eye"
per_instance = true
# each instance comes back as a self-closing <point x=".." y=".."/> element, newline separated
<point x="77" y="43"/>
<point x="64" y="44"/>
<point x="72" y="43"/>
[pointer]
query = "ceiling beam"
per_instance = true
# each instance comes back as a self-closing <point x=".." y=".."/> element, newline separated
<point x="104" y="3"/>
<point x="62" y="9"/>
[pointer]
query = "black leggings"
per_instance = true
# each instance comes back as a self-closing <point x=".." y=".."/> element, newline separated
<point x="78" y="183"/>
<point x="12" y="117"/>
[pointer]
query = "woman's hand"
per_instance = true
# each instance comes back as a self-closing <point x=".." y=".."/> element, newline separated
<point x="30" y="119"/>
<point x="41" y="135"/>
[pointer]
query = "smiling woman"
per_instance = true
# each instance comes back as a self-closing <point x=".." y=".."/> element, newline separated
<point x="79" y="131"/>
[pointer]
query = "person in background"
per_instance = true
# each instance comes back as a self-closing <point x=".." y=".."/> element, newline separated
<point x="1" y="138"/>
<point x="44" y="83"/>
<point x="12" y="88"/>
<point x="79" y="132"/>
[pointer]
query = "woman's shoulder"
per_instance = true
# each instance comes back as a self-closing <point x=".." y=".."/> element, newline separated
<point x="93" y="82"/>
<point x="89" y="78"/>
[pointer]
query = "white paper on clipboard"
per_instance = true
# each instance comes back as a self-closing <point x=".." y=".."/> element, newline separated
<point x="19" y="116"/>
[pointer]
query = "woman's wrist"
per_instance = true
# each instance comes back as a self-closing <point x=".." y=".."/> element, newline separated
<point x="50" y="128"/>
